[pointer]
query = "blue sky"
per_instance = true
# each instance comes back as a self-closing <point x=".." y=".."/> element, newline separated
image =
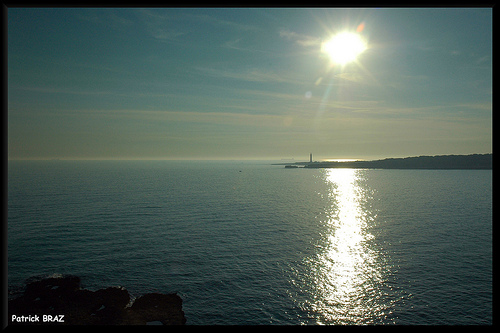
<point x="247" y="83"/>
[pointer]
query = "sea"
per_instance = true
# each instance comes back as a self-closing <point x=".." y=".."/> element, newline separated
<point x="251" y="243"/>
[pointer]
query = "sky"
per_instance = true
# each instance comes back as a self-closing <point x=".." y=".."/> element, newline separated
<point x="247" y="83"/>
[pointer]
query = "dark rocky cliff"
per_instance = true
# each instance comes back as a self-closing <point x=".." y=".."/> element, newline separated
<point x="57" y="296"/>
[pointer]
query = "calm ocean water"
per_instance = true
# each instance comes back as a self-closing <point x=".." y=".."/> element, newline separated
<point x="252" y="243"/>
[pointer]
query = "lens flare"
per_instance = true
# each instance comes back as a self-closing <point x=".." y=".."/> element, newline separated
<point x="360" y="27"/>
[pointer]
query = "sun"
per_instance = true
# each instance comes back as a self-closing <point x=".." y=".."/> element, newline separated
<point x="344" y="47"/>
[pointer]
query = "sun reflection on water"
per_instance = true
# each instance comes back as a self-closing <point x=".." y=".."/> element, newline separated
<point x="347" y="273"/>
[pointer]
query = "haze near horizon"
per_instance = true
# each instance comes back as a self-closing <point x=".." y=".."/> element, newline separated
<point x="248" y="83"/>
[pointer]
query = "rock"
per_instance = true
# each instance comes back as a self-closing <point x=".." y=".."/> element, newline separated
<point x="63" y="296"/>
<point x="52" y="286"/>
<point x="113" y="297"/>
<point x="153" y="307"/>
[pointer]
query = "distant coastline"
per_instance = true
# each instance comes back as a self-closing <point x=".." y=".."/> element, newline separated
<point x="473" y="161"/>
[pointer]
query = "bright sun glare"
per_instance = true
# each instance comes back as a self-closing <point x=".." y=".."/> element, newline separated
<point x="344" y="47"/>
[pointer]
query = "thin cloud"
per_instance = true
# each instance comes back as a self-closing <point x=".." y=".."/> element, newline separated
<point x="109" y="19"/>
<point x="252" y="75"/>
<point x="482" y="60"/>
<point x="165" y="34"/>
<point x="158" y="25"/>
<point x="303" y="40"/>
<point x="353" y="77"/>
<point x="194" y="117"/>
<point x="53" y="90"/>
<point x="217" y="21"/>
<point x="236" y="45"/>
<point x="479" y="106"/>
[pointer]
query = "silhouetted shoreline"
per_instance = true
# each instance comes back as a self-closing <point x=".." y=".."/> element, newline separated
<point x="60" y="300"/>
<point x="473" y="161"/>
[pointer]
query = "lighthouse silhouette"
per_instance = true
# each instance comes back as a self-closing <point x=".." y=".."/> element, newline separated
<point x="310" y="157"/>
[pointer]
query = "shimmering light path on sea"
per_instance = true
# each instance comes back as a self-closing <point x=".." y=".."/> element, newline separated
<point x="348" y="274"/>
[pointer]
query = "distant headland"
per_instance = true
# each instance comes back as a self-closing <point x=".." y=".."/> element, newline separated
<point x="473" y="161"/>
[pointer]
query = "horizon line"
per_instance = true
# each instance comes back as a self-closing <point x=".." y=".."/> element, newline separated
<point x="226" y="158"/>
